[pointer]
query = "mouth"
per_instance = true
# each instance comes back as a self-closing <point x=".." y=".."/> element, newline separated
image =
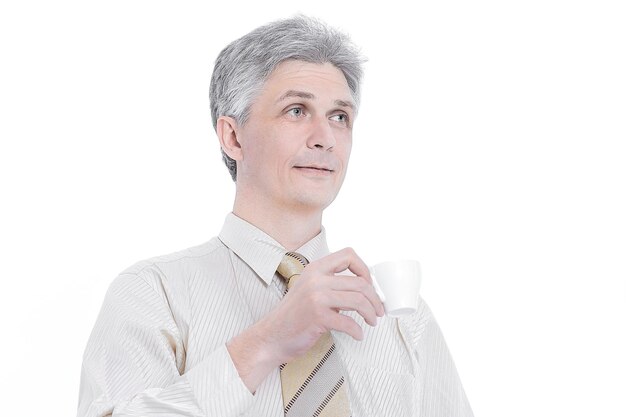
<point x="315" y="167"/>
<point x="315" y="170"/>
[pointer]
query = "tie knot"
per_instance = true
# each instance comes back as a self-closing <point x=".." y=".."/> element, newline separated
<point x="292" y="264"/>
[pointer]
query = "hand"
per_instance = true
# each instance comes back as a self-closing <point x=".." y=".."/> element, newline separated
<point x="310" y="308"/>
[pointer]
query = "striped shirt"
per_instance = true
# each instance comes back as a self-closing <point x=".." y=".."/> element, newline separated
<point x="159" y="344"/>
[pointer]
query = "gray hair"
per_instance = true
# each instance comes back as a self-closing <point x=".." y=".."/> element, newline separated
<point x="243" y="66"/>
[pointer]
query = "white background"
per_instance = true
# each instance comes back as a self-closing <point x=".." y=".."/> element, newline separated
<point x="489" y="146"/>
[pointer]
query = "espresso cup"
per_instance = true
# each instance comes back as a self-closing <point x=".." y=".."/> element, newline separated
<point x="397" y="283"/>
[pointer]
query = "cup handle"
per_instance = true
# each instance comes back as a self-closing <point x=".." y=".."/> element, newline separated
<point x="379" y="292"/>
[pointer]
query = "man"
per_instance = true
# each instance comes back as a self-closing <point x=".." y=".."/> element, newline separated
<point x="221" y="329"/>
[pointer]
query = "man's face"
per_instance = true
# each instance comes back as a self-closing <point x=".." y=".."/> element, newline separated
<point x="296" y="143"/>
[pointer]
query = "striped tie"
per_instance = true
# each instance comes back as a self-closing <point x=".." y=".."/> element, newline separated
<point x="313" y="384"/>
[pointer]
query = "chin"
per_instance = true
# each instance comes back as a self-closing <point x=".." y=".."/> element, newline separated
<point x="314" y="201"/>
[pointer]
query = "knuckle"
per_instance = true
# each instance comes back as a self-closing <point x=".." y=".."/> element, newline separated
<point x="355" y="299"/>
<point x="366" y="305"/>
<point x="320" y="309"/>
<point x="362" y="300"/>
<point x="361" y="285"/>
<point x="315" y="299"/>
<point x="312" y="266"/>
<point x="348" y="251"/>
<point x="337" y="323"/>
<point x="349" y="323"/>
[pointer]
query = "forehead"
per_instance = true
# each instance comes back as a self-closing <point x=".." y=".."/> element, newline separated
<point x="294" y="74"/>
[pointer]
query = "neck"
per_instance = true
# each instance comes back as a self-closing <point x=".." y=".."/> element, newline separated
<point x="289" y="226"/>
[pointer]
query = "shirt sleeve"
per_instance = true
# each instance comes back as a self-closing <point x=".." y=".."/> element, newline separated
<point x="134" y="363"/>
<point x="442" y="393"/>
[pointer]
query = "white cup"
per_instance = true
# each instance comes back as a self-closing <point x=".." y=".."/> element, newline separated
<point x="397" y="283"/>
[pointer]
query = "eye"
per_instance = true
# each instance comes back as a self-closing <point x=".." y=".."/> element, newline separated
<point x="296" y="111"/>
<point x="340" y="117"/>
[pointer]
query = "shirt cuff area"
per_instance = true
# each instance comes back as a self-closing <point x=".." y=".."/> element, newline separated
<point x="217" y="386"/>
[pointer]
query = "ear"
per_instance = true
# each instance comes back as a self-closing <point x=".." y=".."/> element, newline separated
<point x="227" y="134"/>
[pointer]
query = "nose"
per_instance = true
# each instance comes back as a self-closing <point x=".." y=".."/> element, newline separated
<point x="321" y="135"/>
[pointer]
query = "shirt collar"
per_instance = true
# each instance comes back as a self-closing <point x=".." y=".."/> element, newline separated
<point x="260" y="251"/>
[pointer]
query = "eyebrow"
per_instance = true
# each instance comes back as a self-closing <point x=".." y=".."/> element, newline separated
<point x="310" y="96"/>
<point x="343" y="103"/>
<point x="295" y="93"/>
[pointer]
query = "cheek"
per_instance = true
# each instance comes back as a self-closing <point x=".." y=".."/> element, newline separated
<point x="345" y="148"/>
<point x="272" y="156"/>
<point x="258" y="145"/>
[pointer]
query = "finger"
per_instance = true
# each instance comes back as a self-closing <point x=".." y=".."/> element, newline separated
<point x="348" y="283"/>
<point x="342" y="260"/>
<point x="354" y="301"/>
<point x="345" y="324"/>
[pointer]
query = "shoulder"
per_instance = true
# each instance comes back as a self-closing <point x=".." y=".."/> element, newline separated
<point x="171" y="270"/>
<point x="180" y="257"/>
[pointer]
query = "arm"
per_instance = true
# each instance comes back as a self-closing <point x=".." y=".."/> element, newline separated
<point x="442" y="392"/>
<point x="134" y="363"/>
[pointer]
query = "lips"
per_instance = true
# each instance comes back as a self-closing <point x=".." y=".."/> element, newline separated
<point x="315" y="171"/>
<point x="319" y="168"/>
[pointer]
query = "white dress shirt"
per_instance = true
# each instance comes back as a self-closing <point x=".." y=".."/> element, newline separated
<point x="159" y="343"/>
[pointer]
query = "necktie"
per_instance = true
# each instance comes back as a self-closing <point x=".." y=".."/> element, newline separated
<point x="313" y="384"/>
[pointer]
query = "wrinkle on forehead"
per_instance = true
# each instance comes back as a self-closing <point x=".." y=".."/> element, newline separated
<point x="310" y="96"/>
<point x="300" y="73"/>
